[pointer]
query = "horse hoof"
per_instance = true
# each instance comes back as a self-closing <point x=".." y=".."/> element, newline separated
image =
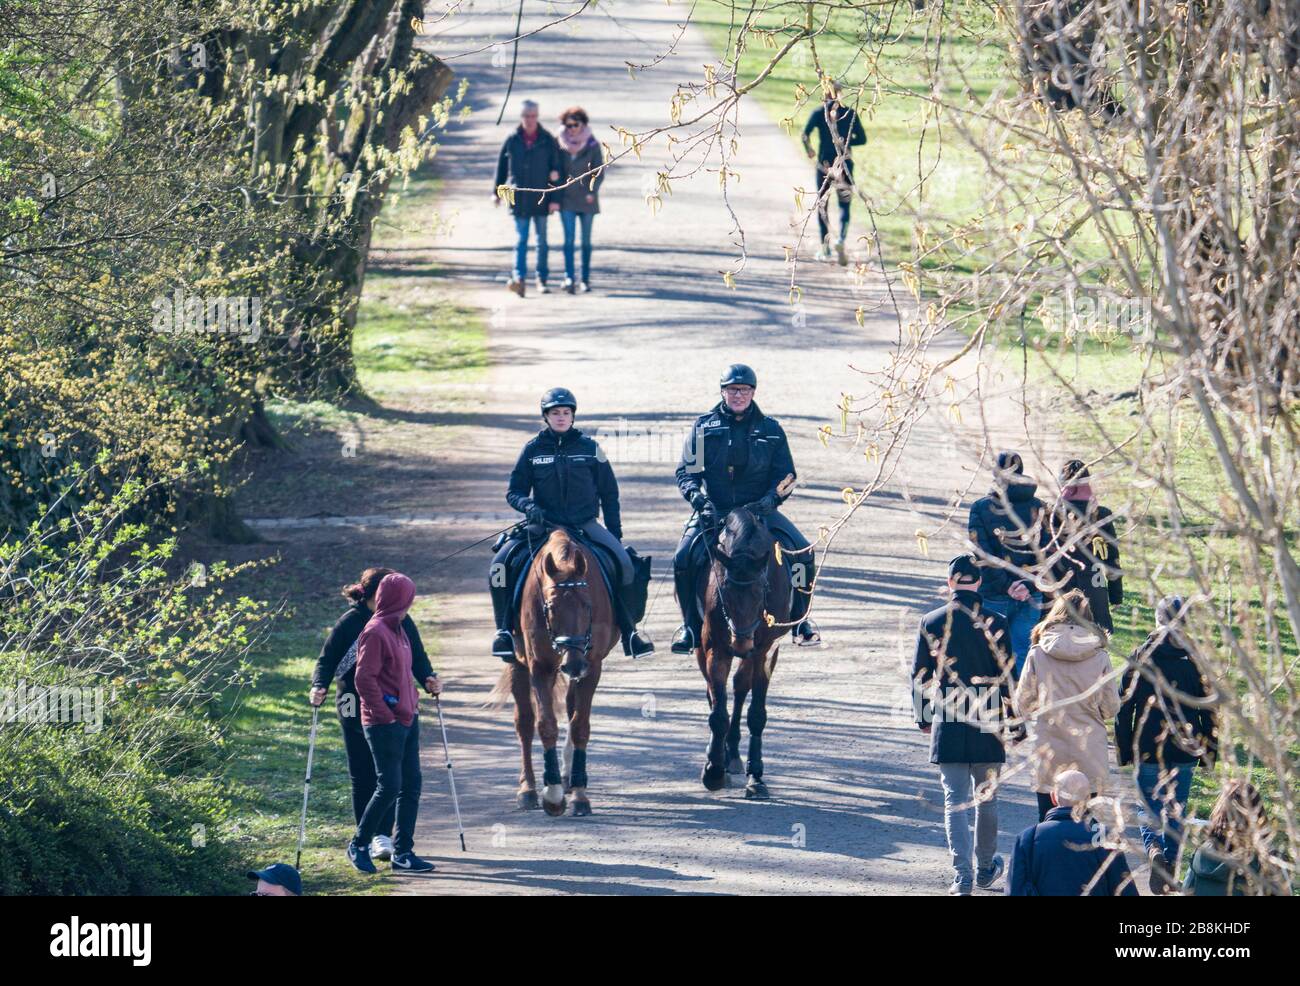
<point x="581" y="808"/>
<point x="553" y="800"/>
<point x="734" y="765"/>
<point x="756" y="790"/>
<point x="553" y="809"/>
<point x="526" y="800"/>
<point x="713" y="778"/>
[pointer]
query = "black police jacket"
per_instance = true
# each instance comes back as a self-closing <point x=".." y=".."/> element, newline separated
<point x="709" y="465"/>
<point x="568" y="477"/>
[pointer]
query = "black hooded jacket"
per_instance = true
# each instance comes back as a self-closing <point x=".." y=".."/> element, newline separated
<point x="1014" y="533"/>
<point x="735" y="461"/>
<point x="1149" y="720"/>
<point x="568" y="476"/>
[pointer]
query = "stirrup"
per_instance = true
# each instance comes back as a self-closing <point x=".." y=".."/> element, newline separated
<point x="638" y="646"/>
<point x="503" y="646"/>
<point x="806" y="634"/>
<point x="683" y="640"/>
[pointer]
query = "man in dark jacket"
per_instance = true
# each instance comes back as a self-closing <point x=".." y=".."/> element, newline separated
<point x="736" y="456"/>
<point x="960" y="690"/>
<point x="1084" y="547"/>
<point x="838" y="129"/>
<point x="1062" y="856"/>
<point x="529" y="159"/>
<point x="1165" y="726"/>
<point x="563" y="478"/>
<point x="1008" y="531"/>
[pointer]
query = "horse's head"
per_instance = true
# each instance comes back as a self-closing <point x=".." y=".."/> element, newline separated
<point x="566" y="603"/>
<point x="742" y="556"/>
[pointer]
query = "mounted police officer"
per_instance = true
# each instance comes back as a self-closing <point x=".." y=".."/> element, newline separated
<point x="736" y="456"/>
<point x="563" y="479"/>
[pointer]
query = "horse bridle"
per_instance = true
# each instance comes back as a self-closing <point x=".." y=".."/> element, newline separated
<point x="581" y="644"/>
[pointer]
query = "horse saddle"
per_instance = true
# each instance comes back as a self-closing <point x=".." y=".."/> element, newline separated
<point x="525" y="550"/>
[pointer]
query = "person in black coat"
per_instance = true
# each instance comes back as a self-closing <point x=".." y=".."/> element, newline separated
<point x="529" y="159"/>
<point x="338" y="662"/>
<point x="1084" y="548"/>
<point x="961" y="694"/>
<point x="1062" y="856"/>
<point x="838" y="129"/>
<point x="1165" y="727"/>
<point x="736" y="456"/>
<point x="562" y="478"/>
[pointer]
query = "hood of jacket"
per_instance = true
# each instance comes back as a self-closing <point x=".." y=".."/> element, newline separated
<point x="1071" y="642"/>
<point x="393" y="600"/>
<point x="1017" y="492"/>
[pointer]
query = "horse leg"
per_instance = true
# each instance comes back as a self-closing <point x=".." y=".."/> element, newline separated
<point x="549" y="730"/>
<point x="754" y="786"/>
<point x="741" y="684"/>
<point x="714" y="775"/>
<point x="579" y="734"/>
<point x="567" y="771"/>
<point x="525" y="722"/>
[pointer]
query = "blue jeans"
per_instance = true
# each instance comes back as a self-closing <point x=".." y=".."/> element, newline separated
<point x="959" y="782"/>
<point x="521" y="247"/>
<point x="569" y="220"/>
<point x="1022" y="618"/>
<point x="1165" y="803"/>
<point x="396" y="749"/>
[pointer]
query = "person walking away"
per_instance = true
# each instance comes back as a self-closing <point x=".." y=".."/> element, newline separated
<point x="838" y="129"/>
<point x="1165" y="727"/>
<point x="1084" y="547"/>
<point x="390" y="718"/>
<point x="1069" y="689"/>
<point x="1006" y="526"/>
<point x="960" y="695"/>
<point x="529" y="159"/>
<point x="1060" y="857"/>
<point x="1235" y="859"/>
<point x="581" y="175"/>
<point x="338" y="662"/>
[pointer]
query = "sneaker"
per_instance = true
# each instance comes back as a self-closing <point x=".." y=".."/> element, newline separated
<point x="806" y="634"/>
<point x="360" y="857"/>
<point x="683" y="640"/>
<point x="985" y="879"/>
<point x="541" y="287"/>
<point x="569" y="286"/>
<point x="957" y="890"/>
<point x="409" y="862"/>
<point x="841" y="255"/>
<point x="1157" y="882"/>
<point x="584" y="288"/>
<point x="824" y="254"/>
<point x="640" y="646"/>
<point x="381" y="848"/>
<point x="516" y="285"/>
<point x="503" y="646"/>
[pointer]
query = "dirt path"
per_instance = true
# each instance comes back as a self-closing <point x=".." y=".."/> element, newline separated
<point x="857" y="806"/>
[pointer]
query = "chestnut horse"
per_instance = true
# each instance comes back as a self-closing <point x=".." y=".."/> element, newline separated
<point x="565" y="624"/>
<point x="745" y="594"/>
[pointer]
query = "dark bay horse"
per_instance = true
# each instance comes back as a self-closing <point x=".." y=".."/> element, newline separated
<point x="745" y="595"/>
<point x="565" y="624"/>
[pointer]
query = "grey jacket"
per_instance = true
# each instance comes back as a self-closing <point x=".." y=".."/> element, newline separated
<point x="574" y="198"/>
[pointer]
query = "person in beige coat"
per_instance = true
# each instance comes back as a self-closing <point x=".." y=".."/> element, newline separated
<point x="1068" y="688"/>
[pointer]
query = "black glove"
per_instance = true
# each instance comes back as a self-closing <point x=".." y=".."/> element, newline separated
<point x="536" y="515"/>
<point x="763" y="507"/>
<point x="701" y="503"/>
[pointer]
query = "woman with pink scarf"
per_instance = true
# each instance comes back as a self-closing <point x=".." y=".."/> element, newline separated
<point x="390" y="718"/>
<point x="581" y="172"/>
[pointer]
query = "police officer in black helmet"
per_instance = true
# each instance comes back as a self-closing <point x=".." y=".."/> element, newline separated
<point x="736" y="456"/>
<point x="562" y="478"/>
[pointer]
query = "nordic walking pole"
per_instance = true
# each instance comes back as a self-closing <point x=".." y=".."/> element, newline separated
<point x="451" y="776"/>
<point x="306" y="787"/>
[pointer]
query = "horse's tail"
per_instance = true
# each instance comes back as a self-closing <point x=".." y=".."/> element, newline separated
<point x="502" y="692"/>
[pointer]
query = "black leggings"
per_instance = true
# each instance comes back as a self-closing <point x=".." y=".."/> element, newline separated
<point x="826" y="190"/>
<point x="361" y="762"/>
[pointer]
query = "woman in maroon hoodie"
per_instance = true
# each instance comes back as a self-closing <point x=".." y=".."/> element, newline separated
<point x="390" y="718"/>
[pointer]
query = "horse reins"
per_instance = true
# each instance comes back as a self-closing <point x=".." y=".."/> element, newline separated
<point x="728" y="580"/>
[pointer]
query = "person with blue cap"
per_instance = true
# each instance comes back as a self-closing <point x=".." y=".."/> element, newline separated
<point x="277" y="880"/>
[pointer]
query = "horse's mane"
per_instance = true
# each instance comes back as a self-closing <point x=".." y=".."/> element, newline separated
<point x="568" y="555"/>
<point x="742" y="539"/>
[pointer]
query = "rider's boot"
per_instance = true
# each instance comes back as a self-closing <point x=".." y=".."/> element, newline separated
<point x="686" y="639"/>
<point x="634" y="644"/>
<point x="503" y="644"/>
<point x="805" y="631"/>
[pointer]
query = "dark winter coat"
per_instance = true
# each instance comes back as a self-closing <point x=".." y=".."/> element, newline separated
<point x="522" y="166"/>
<point x="1148" y="723"/>
<point x="1082" y="530"/>
<point x="1014" y="533"/>
<point x="574" y="198"/>
<point x="736" y="461"/>
<point x="1213" y="874"/>
<point x="338" y="657"/>
<point x="961" y="646"/>
<point x="848" y="131"/>
<point x="1057" y="858"/>
<point x="569" y="478"/>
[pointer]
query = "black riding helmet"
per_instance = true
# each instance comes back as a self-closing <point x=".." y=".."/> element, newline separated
<point x="738" y="374"/>
<point x="559" y="397"/>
